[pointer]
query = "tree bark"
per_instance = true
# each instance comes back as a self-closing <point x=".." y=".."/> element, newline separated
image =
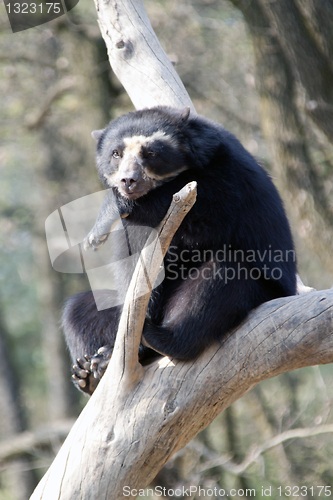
<point x="126" y="434"/>
<point x="137" y="57"/>
<point x="139" y="416"/>
<point x="296" y="175"/>
<point x="13" y="421"/>
<point x="308" y="59"/>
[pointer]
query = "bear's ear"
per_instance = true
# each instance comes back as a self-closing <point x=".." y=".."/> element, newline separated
<point x="185" y="113"/>
<point x="179" y="116"/>
<point x="97" y="134"/>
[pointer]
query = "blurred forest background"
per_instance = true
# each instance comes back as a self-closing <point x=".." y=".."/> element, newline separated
<point x="262" y="69"/>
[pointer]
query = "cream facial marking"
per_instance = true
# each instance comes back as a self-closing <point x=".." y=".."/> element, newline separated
<point x="133" y="148"/>
<point x="134" y="144"/>
<point x="110" y="179"/>
<point x="157" y="177"/>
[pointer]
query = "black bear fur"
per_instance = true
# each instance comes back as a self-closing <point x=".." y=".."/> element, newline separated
<point x="145" y="157"/>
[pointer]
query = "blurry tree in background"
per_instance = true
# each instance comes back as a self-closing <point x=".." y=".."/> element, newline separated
<point x="12" y="420"/>
<point x="46" y="161"/>
<point x="294" y="66"/>
<point x="239" y="60"/>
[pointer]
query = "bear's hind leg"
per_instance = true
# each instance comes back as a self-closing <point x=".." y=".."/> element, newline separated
<point x="90" y="335"/>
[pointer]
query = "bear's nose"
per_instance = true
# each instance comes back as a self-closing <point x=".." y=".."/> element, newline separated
<point x="130" y="179"/>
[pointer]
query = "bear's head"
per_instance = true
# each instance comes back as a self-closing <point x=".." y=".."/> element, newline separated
<point x="141" y="150"/>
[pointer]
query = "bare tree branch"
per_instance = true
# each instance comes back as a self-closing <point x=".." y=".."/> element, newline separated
<point x="28" y="442"/>
<point x="125" y="362"/>
<point x="137" y="57"/>
<point x="255" y="452"/>
<point x="123" y="438"/>
<point x="36" y="120"/>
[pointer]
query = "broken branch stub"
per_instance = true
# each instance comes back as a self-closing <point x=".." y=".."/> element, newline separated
<point x="124" y="361"/>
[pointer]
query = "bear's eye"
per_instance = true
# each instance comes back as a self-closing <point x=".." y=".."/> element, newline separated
<point x="115" y="153"/>
<point x="152" y="154"/>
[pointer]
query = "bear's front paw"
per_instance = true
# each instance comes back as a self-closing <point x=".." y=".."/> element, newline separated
<point x="94" y="241"/>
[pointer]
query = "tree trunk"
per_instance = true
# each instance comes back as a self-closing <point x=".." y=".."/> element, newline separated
<point x="301" y="184"/>
<point x="126" y="433"/>
<point x="20" y="480"/>
<point x="137" y="57"/>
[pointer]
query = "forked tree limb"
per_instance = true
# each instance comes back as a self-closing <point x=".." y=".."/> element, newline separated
<point x="124" y="437"/>
<point x="138" y="416"/>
